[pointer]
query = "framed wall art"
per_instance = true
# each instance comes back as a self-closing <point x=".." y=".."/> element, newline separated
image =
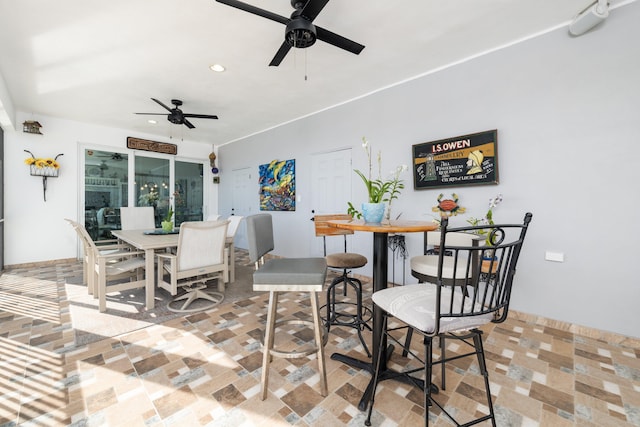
<point x="452" y="162"/>
<point x="277" y="182"/>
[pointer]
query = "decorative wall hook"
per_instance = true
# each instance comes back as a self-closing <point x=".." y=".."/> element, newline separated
<point x="44" y="167"/>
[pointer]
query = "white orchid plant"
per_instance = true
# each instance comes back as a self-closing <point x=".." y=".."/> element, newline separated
<point x="378" y="190"/>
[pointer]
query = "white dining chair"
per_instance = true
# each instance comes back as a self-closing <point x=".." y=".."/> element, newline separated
<point x="138" y="217"/>
<point x="108" y="268"/>
<point x="234" y="224"/>
<point x="200" y="256"/>
<point x="103" y="246"/>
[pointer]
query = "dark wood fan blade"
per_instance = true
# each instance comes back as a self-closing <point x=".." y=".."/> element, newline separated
<point x="188" y="124"/>
<point x="313" y="8"/>
<point x="159" y="102"/>
<point x="338" y="41"/>
<point x="200" y="116"/>
<point x="280" y="54"/>
<point x="255" y="10"/>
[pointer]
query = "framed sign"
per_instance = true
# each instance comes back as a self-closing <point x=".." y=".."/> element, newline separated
<point x="146" y="145"/>
<point x="452" y="162"/>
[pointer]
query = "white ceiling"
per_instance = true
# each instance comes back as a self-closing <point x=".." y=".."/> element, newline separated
<point x="100" y="62"/>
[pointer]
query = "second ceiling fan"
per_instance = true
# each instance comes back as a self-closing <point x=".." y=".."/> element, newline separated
<point x="300" y="31"/>
<point x="176" y="116"/>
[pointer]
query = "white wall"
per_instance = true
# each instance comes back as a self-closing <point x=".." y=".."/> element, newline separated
<point x="567" y="113"/>
<point x="35" y="230"/>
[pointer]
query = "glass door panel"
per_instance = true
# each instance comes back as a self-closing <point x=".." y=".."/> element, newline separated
<point x="152" y="185"/>
<point x="105" y="190"/>
<point x="188" y="192"/>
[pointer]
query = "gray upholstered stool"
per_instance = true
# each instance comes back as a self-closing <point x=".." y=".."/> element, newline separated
<point x="359" y="316"/>
<point x="285" y="275"/>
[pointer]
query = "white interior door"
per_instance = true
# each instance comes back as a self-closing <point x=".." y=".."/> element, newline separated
<point x="243" y="194"/>
<point x="331" y="191"/>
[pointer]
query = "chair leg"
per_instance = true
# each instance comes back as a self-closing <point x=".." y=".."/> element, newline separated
<point x="428" y="364"/>
<point x="477" y="342"/>
<point x="317" y="329"/>
<point x="407" y="342"/>
<point x="268" y="342"/>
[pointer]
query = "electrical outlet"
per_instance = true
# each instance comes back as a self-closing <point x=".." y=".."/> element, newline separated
<point x="554" y="256"/>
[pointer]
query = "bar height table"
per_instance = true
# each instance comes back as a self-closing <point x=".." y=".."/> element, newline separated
<point x="380" y="258"/>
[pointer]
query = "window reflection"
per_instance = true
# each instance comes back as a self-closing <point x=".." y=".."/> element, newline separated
<point x="152" y="185"/>
<point x="106" y="189"/>
<point x="188" y="192"/>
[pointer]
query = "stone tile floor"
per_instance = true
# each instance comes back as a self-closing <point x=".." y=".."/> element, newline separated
<point x="204" y="369"/>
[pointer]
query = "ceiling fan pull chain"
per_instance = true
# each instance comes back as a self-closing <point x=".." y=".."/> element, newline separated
<point x="305" y="65"/>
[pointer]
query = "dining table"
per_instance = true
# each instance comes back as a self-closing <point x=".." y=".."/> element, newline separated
<point x="148" y="240"/>
<point x="380" y="232"/>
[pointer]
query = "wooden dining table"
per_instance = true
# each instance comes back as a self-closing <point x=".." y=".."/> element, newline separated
<point x="380" y="232"/>
<point x="149" y="243"/>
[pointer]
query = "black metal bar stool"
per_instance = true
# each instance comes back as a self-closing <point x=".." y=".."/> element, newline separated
<point x="342" y="313"/>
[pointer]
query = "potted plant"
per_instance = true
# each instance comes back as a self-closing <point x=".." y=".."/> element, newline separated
<point x="489" y="260"/>
<point x="167" y="223"/>
<point x="379" y="191"/>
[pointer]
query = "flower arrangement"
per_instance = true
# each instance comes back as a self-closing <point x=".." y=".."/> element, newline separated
<point x="42" y="162"/>
<point x="378" y="190"/>
<point x="149" y="199"/>
<point x="42" y="166"/>
<point x="488" y="217"/>
<point x="169" y="215"/>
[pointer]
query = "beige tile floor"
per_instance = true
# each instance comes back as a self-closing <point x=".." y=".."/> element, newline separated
<point x="204" y="370"/>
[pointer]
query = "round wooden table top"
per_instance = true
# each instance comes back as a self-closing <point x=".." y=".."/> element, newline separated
<point x="384" y="226"/>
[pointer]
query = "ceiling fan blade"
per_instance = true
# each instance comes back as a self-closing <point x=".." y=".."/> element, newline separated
<point x="280" y="54"/>
<point x="338" y="41"/>
<point x="255" y="10"/>
<point x="200" y="116"/>
<point x="153" y="114"/>
<point x="313" y="8"/>
<point x="159" y="102"/>
<point x="188" y="124"/>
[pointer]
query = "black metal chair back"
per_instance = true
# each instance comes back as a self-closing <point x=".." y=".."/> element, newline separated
<point x="487" y="270"/>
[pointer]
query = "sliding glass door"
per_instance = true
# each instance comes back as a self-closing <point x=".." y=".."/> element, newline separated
<point x="105" y="191"/>
<point x="113" y="180"/>
<point x="152" y="185"/>
<point x="188" y="193"/>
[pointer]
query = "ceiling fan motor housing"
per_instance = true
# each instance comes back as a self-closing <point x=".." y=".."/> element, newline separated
<point x="176" y="117"/>
<point x="300" y="33"/>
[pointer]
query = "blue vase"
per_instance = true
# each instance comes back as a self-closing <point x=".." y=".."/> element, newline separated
<point x="373" y="212"/>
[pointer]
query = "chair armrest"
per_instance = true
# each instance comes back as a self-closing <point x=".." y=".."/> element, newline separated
<point x="116" y="255"/>
<point x="113" y="247"/>
<point x="106" y="242"/>
<point x="165" y="255"/>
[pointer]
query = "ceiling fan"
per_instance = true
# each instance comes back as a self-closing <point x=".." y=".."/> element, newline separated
<point x="300" y="32"/>
<point x="113" y="156"/>
<point x="176" y="116"/>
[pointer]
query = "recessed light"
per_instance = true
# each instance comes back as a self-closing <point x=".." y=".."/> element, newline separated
<point x="153" y="122"/>
<point x="217" y="68"/>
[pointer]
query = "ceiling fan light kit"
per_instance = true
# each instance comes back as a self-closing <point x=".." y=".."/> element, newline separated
<point x="593" y="15"/>
<point x="300" y="33"/>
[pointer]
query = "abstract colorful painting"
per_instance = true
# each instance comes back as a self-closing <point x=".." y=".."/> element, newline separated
<point x="278" y="186"/>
